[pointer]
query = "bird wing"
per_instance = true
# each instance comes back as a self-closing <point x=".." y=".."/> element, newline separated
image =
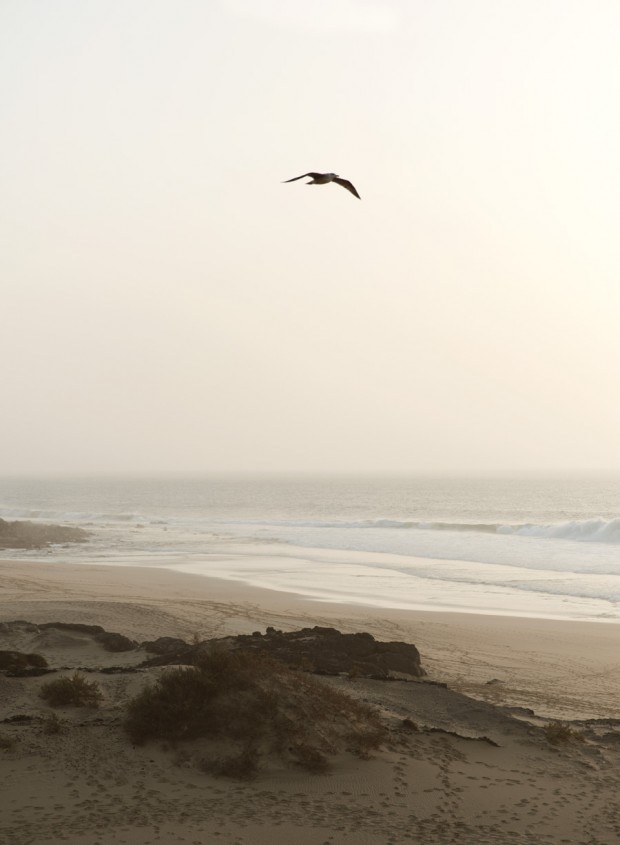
<point x="346" y="184"/>
<point x="303" y="176"/>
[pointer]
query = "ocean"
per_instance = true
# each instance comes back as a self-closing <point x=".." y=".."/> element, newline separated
<point x="533" y="547"/>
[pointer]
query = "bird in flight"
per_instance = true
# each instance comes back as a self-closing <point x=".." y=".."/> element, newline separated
<point x="324" y="178"/>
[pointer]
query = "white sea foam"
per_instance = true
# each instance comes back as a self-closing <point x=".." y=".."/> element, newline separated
<point x="587" y="531"/>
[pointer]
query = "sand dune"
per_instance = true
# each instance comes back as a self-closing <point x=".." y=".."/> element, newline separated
<point x="478" y="768"/>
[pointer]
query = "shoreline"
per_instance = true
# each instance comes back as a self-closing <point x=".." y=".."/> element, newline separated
<point x="558" y="668"/>
<point x="459" y="763"/>
<point x="332" y="576"/>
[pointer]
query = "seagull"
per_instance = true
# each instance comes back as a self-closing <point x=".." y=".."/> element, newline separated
<point x="324" y="178"/>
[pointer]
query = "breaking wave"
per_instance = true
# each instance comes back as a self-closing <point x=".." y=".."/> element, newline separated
<point x="587" y="530"/>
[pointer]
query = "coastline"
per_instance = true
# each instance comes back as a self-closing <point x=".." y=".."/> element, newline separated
<point x="558" y="668"/>
<point x="471" y="769"/>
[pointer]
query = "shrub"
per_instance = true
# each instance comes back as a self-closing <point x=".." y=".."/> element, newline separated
<point x="75" y="691"/>
<point x="215" y="697"/>
<point x="51" y="724"/>
<point x="557" y="734"/>
<point x="255" y="704"/>
<point x="367" y="740"/>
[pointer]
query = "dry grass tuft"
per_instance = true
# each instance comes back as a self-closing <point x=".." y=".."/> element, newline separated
<point x="75" y="691"/>
<point x="558" y="734"/>
<point x="51" y="724"/>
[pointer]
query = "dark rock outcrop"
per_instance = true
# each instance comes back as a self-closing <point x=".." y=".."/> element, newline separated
<point x="109" y="640"/>
<point x="18" y="625"/>
<point x="80" y="627"/>
<point x="12" y="661"/>
<point x="328" y="651"/>
<point x="321" y="650"/>
<point x="167" y="646"/>
<point x="32" y="535"/>
<point x="115" y="642"/>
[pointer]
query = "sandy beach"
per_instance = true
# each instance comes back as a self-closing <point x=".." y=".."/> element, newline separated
<point x="480" y="767"/>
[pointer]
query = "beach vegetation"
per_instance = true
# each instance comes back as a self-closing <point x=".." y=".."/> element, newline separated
<point x="366" y="740"/>
<point x="52" y="724"/>
<point x="558" y="734"/>
<point x="237" y="708"/>
<point x="213" y="697"/>
<point x="73" y="691"/>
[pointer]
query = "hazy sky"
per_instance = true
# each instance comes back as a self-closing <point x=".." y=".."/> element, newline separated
<point x="167" y="304"/>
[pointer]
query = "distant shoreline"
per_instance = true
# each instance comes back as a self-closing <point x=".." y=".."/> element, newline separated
<point x="24" y="534"/>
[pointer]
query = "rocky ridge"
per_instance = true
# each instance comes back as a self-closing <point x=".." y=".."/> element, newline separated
<point x="319" y="650"/>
